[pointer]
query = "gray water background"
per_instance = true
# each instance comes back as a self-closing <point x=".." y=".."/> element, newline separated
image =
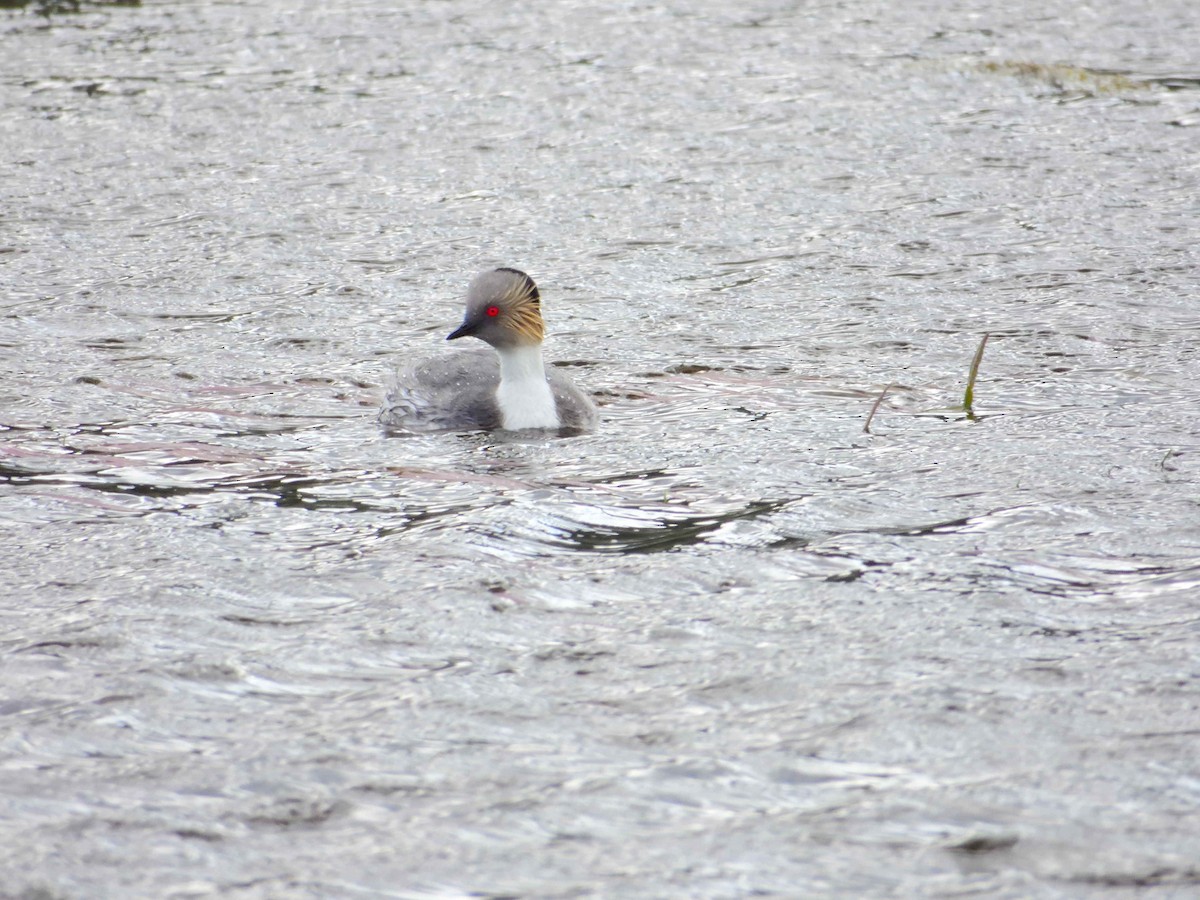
<point x="728" y="645"/>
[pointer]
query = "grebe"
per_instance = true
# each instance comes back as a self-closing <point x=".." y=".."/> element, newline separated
<point x="510" y="389"/>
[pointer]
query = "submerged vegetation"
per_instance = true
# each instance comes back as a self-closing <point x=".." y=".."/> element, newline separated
<point x="1066" y="77"/>
<point x="58" y="7"/>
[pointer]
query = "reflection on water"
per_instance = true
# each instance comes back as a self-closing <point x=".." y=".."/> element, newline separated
<point x="728" y="643"/>
<point x="642" y="530"/>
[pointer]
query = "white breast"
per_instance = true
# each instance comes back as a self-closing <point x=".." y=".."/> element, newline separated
<point x="524" y="397"/>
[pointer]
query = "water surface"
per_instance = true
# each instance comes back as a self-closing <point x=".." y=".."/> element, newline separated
<point x="727" y="645"/>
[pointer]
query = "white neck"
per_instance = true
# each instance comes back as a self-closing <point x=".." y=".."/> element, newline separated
<point x="524" y="396"/>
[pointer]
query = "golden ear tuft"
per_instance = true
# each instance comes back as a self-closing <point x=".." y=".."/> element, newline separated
<point x="526" y="320"/>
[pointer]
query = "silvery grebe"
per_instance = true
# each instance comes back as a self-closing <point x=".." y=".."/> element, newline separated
<point x="510" y="389"/>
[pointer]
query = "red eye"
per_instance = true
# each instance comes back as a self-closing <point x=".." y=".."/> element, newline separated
<point x="492" y="311"/>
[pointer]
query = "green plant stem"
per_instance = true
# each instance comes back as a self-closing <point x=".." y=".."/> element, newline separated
<point x="969" y="394"/>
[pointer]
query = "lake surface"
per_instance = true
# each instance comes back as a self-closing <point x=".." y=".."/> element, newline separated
<point x="729" y="644"/>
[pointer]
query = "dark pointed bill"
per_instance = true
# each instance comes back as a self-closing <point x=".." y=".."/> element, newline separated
<point x="466" y="329"/>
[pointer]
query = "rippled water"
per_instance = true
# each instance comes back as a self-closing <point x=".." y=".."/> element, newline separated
<point x="727" y="645"/>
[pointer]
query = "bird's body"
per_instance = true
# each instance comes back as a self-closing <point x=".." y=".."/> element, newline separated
<point x="461" y="390"/>
<point x="510" y="389"/>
